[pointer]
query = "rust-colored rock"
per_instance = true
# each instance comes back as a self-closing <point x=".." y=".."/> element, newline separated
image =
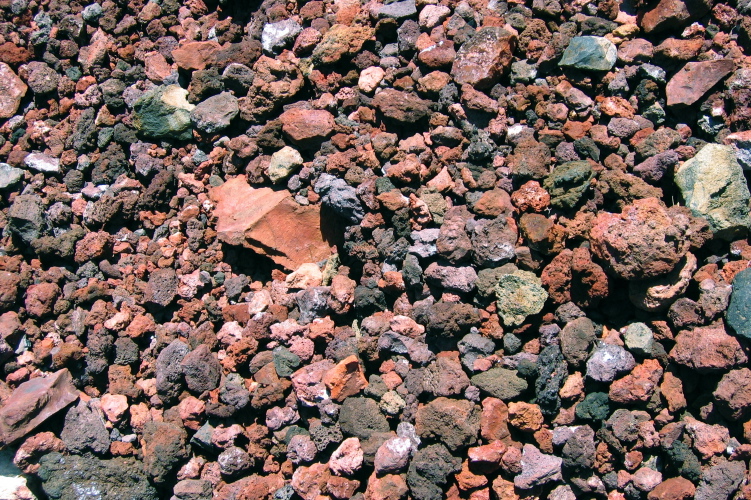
<point x="345" y="379"/>
<point x="695" y="79"/>
<point x="270" y="223"/>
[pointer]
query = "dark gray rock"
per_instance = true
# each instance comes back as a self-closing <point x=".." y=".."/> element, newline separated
<point x="75" y="477"/>
<point x="551" y="372"/>
<point x="360" y="417"/>
<point x="84" y="430"/>
<point x="429" y="471"/>
<point x="339" y="196"/>
<point x="313" y="303"/>
<point x="576" y="338"/>
<point x="500" y="383"/>
<point x="202" y="369"/>
<point x="169" y="372"/>
<point x="26" y="217"/>
<point x="720" y="481"/>
<point x="739" y="311"/>
<point x="579" y="451"/>
<point x="215" y="113"/>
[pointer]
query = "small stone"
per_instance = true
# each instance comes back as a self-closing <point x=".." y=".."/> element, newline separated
<point x="484" y="57"/>
<point x="525" y="416"/>
<point x="341" y="41"/>
<point x="732" y="394"/>
<point x="284" y="163"/>
<point x="347" y="459"/>
<point x="592" y="53"/>
<point x="707" y="349"/>
<point x="455" y="422"/>
<point x="41" y="162"/>
<point x="12" y="90"/>
<point x="537" y="468"/>
<point x="639" y="339"/>
<point x="277" y="36"/>
<point x="607" y="361"/>
<point x="393" y="455"/>
<point x="215" y="113"/>
<point x="307" y="128"/>
<point x="9" y="176"/>
<point x="519" y="295"/>
<point x="202" y="369"/>
<point x="500" y="383"/>
<point x="345" y="379"/>
<point x="713" y="186"/>
<point x="164" y="112"/>
<point x="370" y="78"/>
<point x="568" y="183"/>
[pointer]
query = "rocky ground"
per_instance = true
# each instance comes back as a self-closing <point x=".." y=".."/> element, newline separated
<point x="335" y="249"/>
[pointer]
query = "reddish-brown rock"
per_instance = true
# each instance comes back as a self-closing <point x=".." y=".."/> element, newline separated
<point x="668" y="14"/>
<point x="675" y="488"/>
<point x="307" y="128"/>
<point x="707" y="349"/>
<point x="639" y="385"/>
<point x="345" y="379"/>
<point x="251" y="217"/>
<point x="41" y="298"/>
<point x="482" y="59"/>
<point x="733" y="394"/>
<point x="33" y="402"/>
<point x="12" y="90"/>
<point x="195" y="55"/>
<point x="695" y="79"/>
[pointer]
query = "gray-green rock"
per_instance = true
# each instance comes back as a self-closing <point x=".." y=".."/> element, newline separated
<point x="164" y="112"/>
<point x="713" y="187"/>
<point x="739" y="311"/>
<point x="215" y="113"/>
<point x="568" y="182"/>
<point x="596" y="406"/>
<point x="519" y="295"/>
<point x="9" y="176"/>
<point x="639" y="339"/>
<point x="500" y="383"/>
<point x="74" y="477"/>
<point x="283" y="163"/>
<point x="593" y="53"/>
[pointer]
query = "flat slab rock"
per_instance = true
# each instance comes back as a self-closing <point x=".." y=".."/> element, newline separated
<point x="270" y="223"/>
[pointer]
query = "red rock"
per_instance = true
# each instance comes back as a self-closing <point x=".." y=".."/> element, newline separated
<point x="195" y="55"/>
<point x="707" y="349"/>
<point x="675" y="49"/>
<point x="497" y="201"/>
<point x="695" y="79"/>
<point x="342" y="488"/>
<point x="644" y="241"/>
<point x="486" y="459"/>
<point x="14" y="55"/>
<point x="33" y="402"/>
<point x="468" y="480"/>
<point x="675" y="488"/>
<point x="393" y="455"/>
<point x="307" y="128"/>
<point x="41" y="298"/>
<point x="672" y="390"/>
<point x="733" y="394"/>
<point x="191" y="412"/>
<point x="388" y="487"/>
<point x="345" y="379"/>
<point x="94" y="245"/>
<point x="639" y="385"/>
<point x="530" y="196"/>
<point x="494" y="420"/>
<point x="672" y="14"/>
<point x="708" y="439"/>
<point x="310" y="482"/>
<point x="341" y="41"/>
<point x="347" y="458"/>
<point x="9" y="284"/>
<point x="251" y="217"/>
<point x="12" y="90"/>
<point x="438" y="55"/>
<point x="525" y="416"/>
<point x="482" y="59"/>
<point x="402" y="107"/>
<point x="308" y="382"/>
<point x="33" y="448"/>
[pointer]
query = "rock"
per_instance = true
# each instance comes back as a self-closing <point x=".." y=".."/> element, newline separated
<point x="576" y="338"/>
<point x="340" y="197"/>
<point x="346" y="460"/>
<point x="520" y="294"/>
<point x="398" y="10"/>
<point x="65" y="477"/>
<point x="720" y="481"/>
<point x="493" y="241"/>
<point x="646" y="240"/>
<point x="459" y="279"/>
<point x="201" y="369"/>
<point x="9" y="176"/>
<point x="595" y="407"/>
<point x="360" y="417"/>
<point x="84" y="430"/>
<point x="12" y="90"/>
<point x="713" y="186"/>
<point x="695" y="79"/>
<point x="593" y="53"/>
<point x="308" y="382"/>
<point x="164" y="449"/>
<point x="164" y="112"/>
<point x="393" y="456"/>
<point x="454" y="422"/>
<point x="675" y="488"/>
<point x="672" y="14"/>
<point x="500" y="383"/>
<point x="215" y="113"/>
<point x="607" y="361"/>
<point x="169" y="372"/>
<point x="193" y="56"/>
<point x="732" y="395"/>
<point x="568" y="183"/>
<point x="341" y="41"/>
<point x="26" y="217"/>
<point x="162" y="287"/>
<point x="551" y="373"/>
<point x="284" y="163"/>
<point x="193" y="489"/>
<point x="250" y="217"/>
<point x="40" y="78"/>
<point x="537" y="468"/>
<point x="484" y="57"/>
<point x="707" y="349"/>
<point x="401" y="107"/>
<point x="429" y="471"/>
<point x="345" y="379"/>
<point x="739" y="311"/>
<point x="639" y="339"/>
<point x="525" y="416"/>
<point x="33" y="402"/>
<point x="370" y="78"/>
<point x="657" y="294"/>
<point x="579" y="451"/>
<point x="637" y="386"/>
<point x="445" y="376"/>
<point x="279" y="35"/>
<point x="741" y="143"/>
<point x="310" y="482"/>
<point x="307" y="128"/>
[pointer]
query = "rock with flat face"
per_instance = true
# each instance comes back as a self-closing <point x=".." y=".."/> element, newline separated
<point x="483" y="58"/>
<point x="593" y="53"/>
<point x="695" y="79"/>
<point x="33" y="402"/>
<point x="251" y="217"/>
<point x="164" y="112"/>
<point x="714" y="187"/>
<point x="670" y="14"/>
<point x="12" y="90"/>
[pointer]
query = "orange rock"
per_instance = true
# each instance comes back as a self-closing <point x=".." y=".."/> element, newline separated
<point x="195" y="55"/>
<point x="675" y="488"/>
<point x="270" y="223"/>
<point x="525" y="416"/>
<point x="345" y="379"/>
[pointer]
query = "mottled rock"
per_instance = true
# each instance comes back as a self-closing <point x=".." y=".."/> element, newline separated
<point x="592" y="53"/>
<point x="707" y="349"/>
<point x="537" y="468"/>
<point x="500" y="383"/>
<point x="568" y="183"/>
<point x="519" y="295"/>
<point x="455" y="422"/>
<point x="164" y="112"/>
<point x="483" y="59"/>
<point x="607" y="361"/>
<point x="215" y="113"/>
<point x="12" y="90"/>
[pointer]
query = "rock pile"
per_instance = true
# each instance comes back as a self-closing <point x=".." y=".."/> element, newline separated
<point x="340" y="249"/>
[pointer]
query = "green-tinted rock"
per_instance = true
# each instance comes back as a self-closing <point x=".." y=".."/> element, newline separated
<point x="593" y="53"/>
<point x="596" y="406"/>
<point x="639" y="339"/>
<point x="283" y="163"/>
<point x="500" y="383"/>
<point x="285" y="361"/>
<point x="568" y="182"/>
<point x="739" y="311"/>
<point x="713" y="187"/>
<point x="519" y="295"/>
<point x="164" y="112"/>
